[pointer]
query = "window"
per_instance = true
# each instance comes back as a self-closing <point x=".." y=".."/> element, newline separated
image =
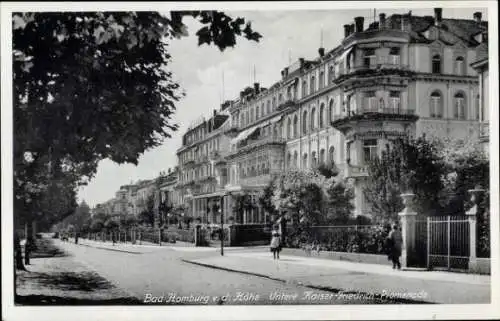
<point x="370" y="59"/>
<point x="274" y="103"/>
<point x="262" y="110"/>
<point x="289" y="129"/>
<point x="289" y="160"/>
<point x="304" y="88"/>
<point x="331" y="155"/>
<point x="257" y="112"/>
<point x="312" y="85"/>
<point x="436" y="64"/>
<point x="247" y="117"/>
<point x="314" y="159"/>
<point x="394" y="100"/>
<point x="295" y="127"/>
<point x="251" y="116"/>
<point x="370" y="101"/>
<point x="394" y="56"/>
<point x="304" y="161"/>
<point x="477" y="104"/>
<point x="322" y="156"/>
<point x="313" y="119"/>
<point x="242" y="120"/>
<point x="304" y="122"/>
<point x="268" y="109"/>
<point x="295" y="159"/>
<point x="369" y="149"/>
<point x="459" y="66"/>
<point x="321" y="79"/>
<point x="289" y="93"/>
<point x="331" y="111"/>
<point x="280" y="98"/>
<point x="436" y="105"/>
<point x="460" y="107"/>
<point x="322" y="115"/>
<point x="331" y="74"/>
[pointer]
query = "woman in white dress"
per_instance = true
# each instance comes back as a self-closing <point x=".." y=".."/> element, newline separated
<point x="276" y="243"/>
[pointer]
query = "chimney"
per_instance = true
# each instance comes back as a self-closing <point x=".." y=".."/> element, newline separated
<point x="301" y="61"/>
<point x="352" y="28"/>
<point x="256" y="87"/>
<point x="321" y="52"/>
<point x="381" y="18"/>
<point x="346" y="31"/>
<point x="215" y="112"/>
<point x="286" y="71"/>
<point x="241" y="94"/>
<point x="359" y="21"/>
<point x="477" y="16"/>
<point x="438" y="15"/>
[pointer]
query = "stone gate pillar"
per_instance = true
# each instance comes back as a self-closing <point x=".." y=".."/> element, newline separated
<point x="472" y="214"/>
<point x="408" y="218"/>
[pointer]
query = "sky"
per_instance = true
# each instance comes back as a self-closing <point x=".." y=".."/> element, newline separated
<point x="286" y="34"/>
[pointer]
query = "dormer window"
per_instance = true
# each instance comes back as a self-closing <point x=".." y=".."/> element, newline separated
<point x="459" y="65"/>
<point x="436" y="64"/>
<point x="370" y="59"/>
<point x="395" y="56"/>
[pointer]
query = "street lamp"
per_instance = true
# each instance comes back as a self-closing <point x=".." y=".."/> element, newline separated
<point x="221" y="226"/>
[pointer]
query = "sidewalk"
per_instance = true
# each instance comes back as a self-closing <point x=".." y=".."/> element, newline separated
<point x="147" y="247"/>
<point x="55" y="278"/>
<point x="407" y="286"/>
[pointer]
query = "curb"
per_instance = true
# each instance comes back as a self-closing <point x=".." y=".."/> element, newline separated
<point x="108" y="249"/>
<point x="311" y="286"/>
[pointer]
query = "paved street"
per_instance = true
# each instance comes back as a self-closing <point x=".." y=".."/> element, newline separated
<point x="153" y="273"/>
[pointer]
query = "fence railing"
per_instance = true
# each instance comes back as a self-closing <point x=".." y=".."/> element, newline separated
<point x="138" y="236"/>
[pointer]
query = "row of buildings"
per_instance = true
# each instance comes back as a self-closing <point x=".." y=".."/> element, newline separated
<point x="400" y="75"/>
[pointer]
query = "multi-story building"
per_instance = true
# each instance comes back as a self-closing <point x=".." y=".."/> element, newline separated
<point x="481" y="66"/>
<point x="168" y="193"/>
<point x="145" y="188"/>
<point x="202" y="170"/>
<point x="402" y="75"/>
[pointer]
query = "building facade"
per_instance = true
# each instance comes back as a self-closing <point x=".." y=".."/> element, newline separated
<point x="402" y="75"/>
<point x="202" y="166"/>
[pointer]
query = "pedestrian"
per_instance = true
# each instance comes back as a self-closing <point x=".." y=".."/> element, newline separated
<point x="113" y="237"/>
<point x="276" y="242"/>
<point x="395" y="241"/>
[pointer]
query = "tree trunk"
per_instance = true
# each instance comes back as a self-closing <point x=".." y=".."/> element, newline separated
<point x="29" y="245"/>
<point x="18" y="252"/>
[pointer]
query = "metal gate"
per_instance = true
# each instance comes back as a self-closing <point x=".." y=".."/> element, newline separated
<point x="448" y="242"/>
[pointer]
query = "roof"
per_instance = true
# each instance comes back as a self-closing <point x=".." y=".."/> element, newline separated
<point x="451" y="29"/>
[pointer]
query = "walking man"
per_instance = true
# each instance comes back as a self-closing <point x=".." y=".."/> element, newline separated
<point x="396" y="242"/>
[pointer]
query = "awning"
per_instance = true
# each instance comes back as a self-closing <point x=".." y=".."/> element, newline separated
<point x="244" y="134"/>
<point x="341" y="58"/>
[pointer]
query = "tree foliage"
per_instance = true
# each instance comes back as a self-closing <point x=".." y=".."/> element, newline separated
<point x="407" y="165"/>
<point x="308" y="197"/>
<point x="95" y="85"/>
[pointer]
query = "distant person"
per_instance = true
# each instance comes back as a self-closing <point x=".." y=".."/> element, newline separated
<point x="276" y="242"/>
<point x="395" y="242"/>
<point x="113" y="238"/>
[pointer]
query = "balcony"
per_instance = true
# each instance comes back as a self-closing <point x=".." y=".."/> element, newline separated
<point x="372" y="112"/>
<point x="484" y="131"/>
<point x="356" y="171"/>
<point x="189" y="162"/>
<point x="286" y="104"/>
<point x="202" y="159"/>
<point x="232" y="131"/>
<point x="252" y="144"/>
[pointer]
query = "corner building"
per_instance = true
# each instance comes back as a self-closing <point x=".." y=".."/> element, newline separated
<point x="402" y="75"/>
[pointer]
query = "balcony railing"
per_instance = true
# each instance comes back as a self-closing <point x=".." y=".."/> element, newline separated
<point x="356" y="171"/>
<point x="286" y="104"/>
<point x="374" y="109"/>
<point x="484" y="130"/>
<point x="262" y="141"/>
<point x="202" y="159"/>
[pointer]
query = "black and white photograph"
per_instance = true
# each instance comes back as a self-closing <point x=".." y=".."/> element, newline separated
<point x="249" y="161"/>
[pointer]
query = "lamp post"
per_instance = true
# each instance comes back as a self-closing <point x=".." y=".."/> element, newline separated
<point x="221" y="226"/>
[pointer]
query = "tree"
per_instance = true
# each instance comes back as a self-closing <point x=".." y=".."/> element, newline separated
<point x="339" y="205"/>
<point x="409" y="165"/>
<point x="93" y="85"/>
